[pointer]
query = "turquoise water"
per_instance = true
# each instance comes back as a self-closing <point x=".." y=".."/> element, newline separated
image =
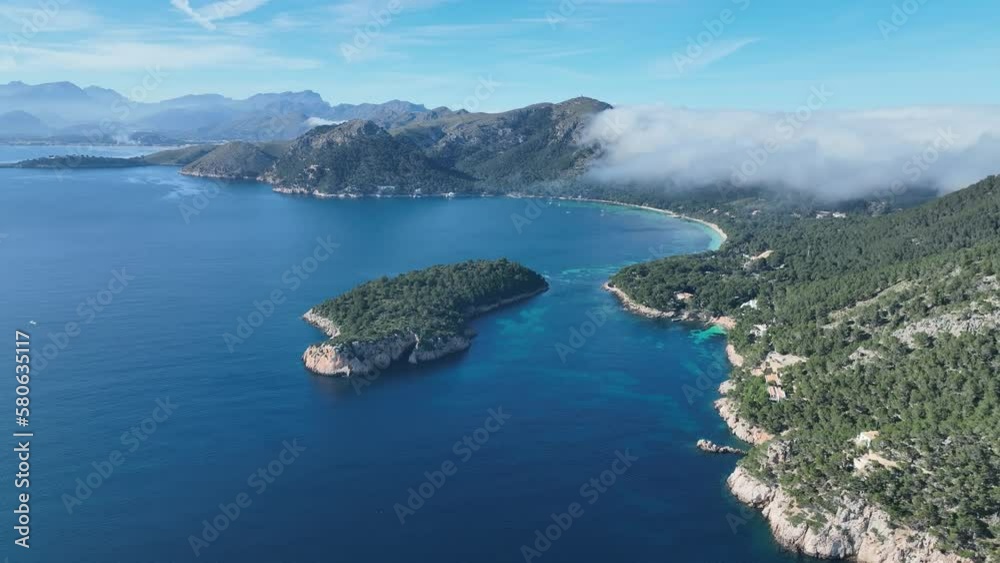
<point x="576" y="380"/>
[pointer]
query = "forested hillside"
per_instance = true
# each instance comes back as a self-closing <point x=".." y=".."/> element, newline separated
<point x="434" y="303"/>
<point x="886" y="326"/>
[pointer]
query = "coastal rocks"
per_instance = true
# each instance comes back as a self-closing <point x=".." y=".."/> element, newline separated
<point x="357" y="358"/>
<point x="713" y="448"/>
<point x="322" y="323"/>
<point x="854" y="530"/>
<point x="438" y="348"/>
<point x="739" y="427"/>
<point x="734" y="357"/>
<point x="637" y="308"/>
<point x="369" y="357"/>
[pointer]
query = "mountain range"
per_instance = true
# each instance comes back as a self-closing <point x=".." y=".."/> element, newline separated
<point x="65" y="112"/>
<point x="433" y="152"/>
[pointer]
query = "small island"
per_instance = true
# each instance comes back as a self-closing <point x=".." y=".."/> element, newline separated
<point x="420" y="316"/>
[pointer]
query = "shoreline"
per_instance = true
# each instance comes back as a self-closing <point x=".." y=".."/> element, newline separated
<point x="328" y="359"/>
<point x="714" y="228"/>
<point x="857" y="530"/>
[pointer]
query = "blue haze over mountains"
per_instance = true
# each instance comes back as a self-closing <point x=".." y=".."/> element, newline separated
<point x="65" y="112"/>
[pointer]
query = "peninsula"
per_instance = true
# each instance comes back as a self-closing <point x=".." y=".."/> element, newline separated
<point x="419" y="316"/>
<point x="864" y="352"/>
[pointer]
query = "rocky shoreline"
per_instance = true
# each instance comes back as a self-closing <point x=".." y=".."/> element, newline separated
<point x="369" y="357"/>
<point x="725" y="323"/>
<point x="711" y="447"/>
<point x="856" y="530"/>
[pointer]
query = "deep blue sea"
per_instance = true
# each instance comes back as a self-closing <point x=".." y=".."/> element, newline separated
<point x="134" y="277"/>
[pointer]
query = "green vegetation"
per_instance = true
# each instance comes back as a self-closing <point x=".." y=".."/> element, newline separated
<point x="77" y="161"/>
<point x="236" y="160"/>
<point x="179" y="157"/>
<point x="361" y="158"/>
<point x="899" y="319"/>
<point x="433" y="303"/>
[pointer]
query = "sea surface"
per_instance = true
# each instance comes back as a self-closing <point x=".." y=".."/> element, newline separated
<point x="133" y="278"/>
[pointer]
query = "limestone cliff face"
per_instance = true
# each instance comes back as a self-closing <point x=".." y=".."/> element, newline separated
<point x="361" y="358"/>
<point x="368" y="357"/>
<point x="739" y="427"/>
<point x="856" y="530"/>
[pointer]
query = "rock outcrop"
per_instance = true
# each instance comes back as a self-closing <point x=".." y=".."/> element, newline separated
<point x="713" y="448"/>
<point x="365" y="358"/>
<point x="635" y="307"/>
<point x="739" y="427"/>
<point x="856" y="530"/>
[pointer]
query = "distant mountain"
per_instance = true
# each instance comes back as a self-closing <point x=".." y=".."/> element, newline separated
<point x="386" y="115"/>
<point x="427" y="152"/>
<point x="437" y="151"/>
<point x="359" y="157"/>
<point x="537" y="143"/>
<point x="100" y="114"/>
<point x="21" y="124"/>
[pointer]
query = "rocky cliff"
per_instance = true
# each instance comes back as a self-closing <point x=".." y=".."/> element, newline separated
<point x="856" y="530"/>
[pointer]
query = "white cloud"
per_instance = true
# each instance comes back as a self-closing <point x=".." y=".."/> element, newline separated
<point x="222" y="10"/>
<point x="30" y="20"/>
<point x="696" y="57"/>
<point x="317" y="121"/>
<point x="127" y="55"/>
<point x="352" y="13"/>
<point x="833" y="153"/>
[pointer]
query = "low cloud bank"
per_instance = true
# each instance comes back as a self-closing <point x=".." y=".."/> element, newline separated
<point x="834" y="154"/>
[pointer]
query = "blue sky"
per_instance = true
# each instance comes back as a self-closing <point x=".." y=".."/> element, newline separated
<point x="723" y="54"/>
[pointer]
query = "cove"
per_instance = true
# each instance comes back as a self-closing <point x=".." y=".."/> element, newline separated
<point x="621" y="386"/>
